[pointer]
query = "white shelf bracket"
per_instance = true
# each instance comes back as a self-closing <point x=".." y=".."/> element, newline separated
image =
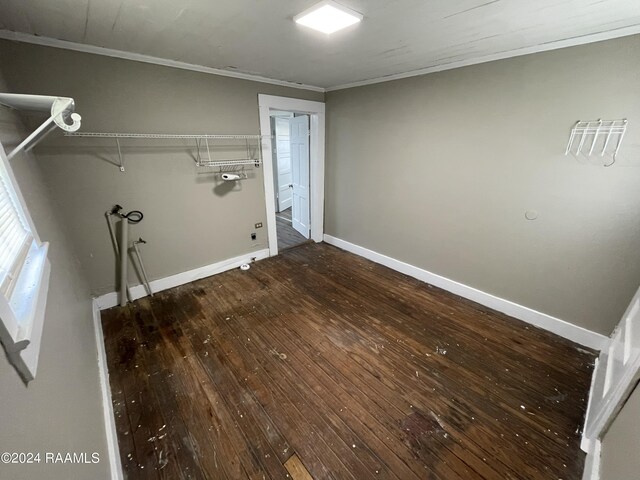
<point x="120" y="155"/>
<point x="206" y="141"/>
<point x="198" y="159"/>
<point x="60" y="109"/>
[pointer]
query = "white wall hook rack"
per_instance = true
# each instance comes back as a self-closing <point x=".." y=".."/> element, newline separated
<point x="597" y="137"/>
<point x="60" y="109"/>
<point x="253" y="156"/>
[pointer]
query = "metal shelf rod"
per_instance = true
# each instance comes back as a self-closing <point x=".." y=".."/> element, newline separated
<point x="199" y="139"/>
<point x="229" y="163"/>
<point x="61" y="111"/>
<point x="159" y="135"/>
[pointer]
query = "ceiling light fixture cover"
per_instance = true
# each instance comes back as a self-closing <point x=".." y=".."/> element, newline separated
<point x="328" y="17"/>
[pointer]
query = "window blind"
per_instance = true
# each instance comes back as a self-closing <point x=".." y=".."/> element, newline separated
<point x="15" y="236"/>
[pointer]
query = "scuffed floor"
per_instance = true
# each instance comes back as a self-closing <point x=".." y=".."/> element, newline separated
<point x="359" y="371"/>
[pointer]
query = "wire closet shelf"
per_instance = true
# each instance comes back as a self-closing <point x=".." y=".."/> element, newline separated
<point x="252" y="146"/>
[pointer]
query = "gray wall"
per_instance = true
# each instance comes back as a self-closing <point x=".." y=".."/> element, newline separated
<point x="620" y="445"/>
<point x="191" y="219"/>
<point x="61" y="410"/>
<point x="438" y="171"/>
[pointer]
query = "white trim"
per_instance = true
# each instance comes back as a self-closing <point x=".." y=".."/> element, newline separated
<point x="585" y="443"/>
<point x="138" y="57"/>
<point x="26" y="360"/>
<point x="615" y="375"/>
<point x="316" y="110"/>
<point x="109" y="300"/>
<point x="113" y="451"/>
<point x="592" y="462"/>
<point x="567" y="330"/>
<point x="569" y="42"/>
<point x="22" y="315"/>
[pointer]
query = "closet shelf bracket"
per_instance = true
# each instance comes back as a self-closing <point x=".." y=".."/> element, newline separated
<point x="61" y="115"/>
<point x="120" y="155"/>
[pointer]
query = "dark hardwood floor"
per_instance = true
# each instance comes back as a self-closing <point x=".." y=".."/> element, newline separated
<point x="357" y="370"/>
<point x="287" y="236"/>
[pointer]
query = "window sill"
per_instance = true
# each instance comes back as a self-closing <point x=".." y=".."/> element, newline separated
<point x="23" y="314"/>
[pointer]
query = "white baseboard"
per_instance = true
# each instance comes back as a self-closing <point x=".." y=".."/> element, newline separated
<point x="115" y="464"/>
<point x="109" y="300"/>
<point x="567" y="330"/>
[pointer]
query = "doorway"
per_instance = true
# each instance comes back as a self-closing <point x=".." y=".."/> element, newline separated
<point x="293" y="154"/>
<point x="290" y="134"/>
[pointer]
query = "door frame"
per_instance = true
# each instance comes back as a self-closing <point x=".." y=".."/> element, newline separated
<point x="602" y="410"/>
<point x="316" y="112"/>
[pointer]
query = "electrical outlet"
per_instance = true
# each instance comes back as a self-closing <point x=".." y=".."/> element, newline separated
<point x="259" y="225"/>
<point x="253" y="236"/>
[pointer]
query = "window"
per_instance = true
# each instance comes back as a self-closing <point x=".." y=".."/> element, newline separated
<point x="24" y="277"/>
<point x="15" y="236"/>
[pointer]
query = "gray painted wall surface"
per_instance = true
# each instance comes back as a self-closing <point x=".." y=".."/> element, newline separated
<point x="61" y="410"/>
<point x="191" y="219"/>
<point x="438" y="171"/>
<point x="621" y="444"/>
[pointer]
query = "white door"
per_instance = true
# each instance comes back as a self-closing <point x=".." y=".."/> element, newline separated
<point x="617" y="371"/>
<point x="283" y="156"/>
<point x="299" y="128"/>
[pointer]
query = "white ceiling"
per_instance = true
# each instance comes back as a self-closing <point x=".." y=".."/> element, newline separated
<point x="259" y="37"/>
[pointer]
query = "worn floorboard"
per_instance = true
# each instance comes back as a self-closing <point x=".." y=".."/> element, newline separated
<point x="287" y="236"/>
<point x="318" y="362"/>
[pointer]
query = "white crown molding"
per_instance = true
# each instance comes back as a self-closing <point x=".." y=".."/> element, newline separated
<point x="109" y="300"/>
<point x="138" y="57"/>
<point x="555" y="325"/>
<point x="569" y="42"/>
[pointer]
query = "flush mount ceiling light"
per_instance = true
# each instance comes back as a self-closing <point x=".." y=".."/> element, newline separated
<point x="328" y="17"/>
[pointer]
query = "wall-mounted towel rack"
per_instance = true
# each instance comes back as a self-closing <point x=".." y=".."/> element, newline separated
<point x="60" y="109"/>
<point x="253" y="149"/>
<point x="597" y="137"/>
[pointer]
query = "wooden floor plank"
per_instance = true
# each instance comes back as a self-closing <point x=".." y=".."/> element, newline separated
<point x="505" y="391"/>
<point x="268" y="449"/>
<point x="438" y="468"/>
<point x="247" y="288"/>
<point x="223" y="437"/>
<point x="273" y="398"/>
<point x="343" y="461"/>
<point x="351" y="369"/>
<point x="296" y="469"/>
<point x="462" y="387"/>
<point x="389" y="410"/>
